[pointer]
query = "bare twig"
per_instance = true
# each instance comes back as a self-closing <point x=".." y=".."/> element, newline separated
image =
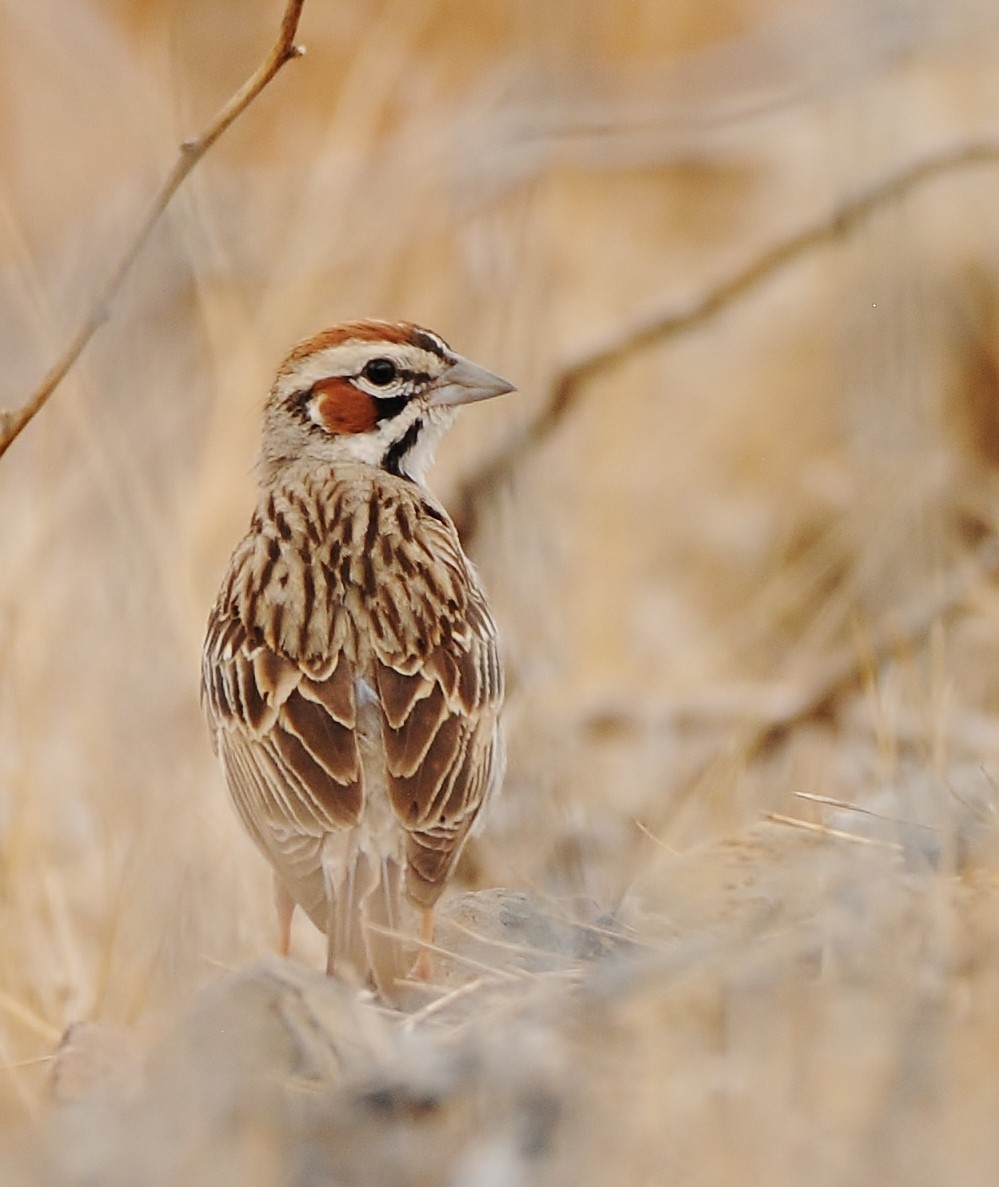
<point x="191" y="152"/>
<point x="654" y="329"/>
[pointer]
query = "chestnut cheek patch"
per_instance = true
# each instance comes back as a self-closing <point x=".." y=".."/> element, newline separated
<point x="340" y="408"/>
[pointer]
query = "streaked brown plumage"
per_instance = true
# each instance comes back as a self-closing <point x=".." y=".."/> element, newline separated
<point x="350" y="675"/>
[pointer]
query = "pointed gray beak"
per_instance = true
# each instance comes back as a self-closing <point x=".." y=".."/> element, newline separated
<point x="464" y="382"/>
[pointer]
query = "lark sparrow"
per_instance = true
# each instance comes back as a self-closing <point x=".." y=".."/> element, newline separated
<point x="350" y="673"/>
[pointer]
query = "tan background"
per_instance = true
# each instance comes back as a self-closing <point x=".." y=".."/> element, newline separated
<point x="750" y="558"/>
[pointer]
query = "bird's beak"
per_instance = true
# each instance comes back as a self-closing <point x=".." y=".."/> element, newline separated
<point x="464" y="382"/>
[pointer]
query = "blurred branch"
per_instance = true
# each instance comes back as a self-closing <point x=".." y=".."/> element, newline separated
<point x="852" y="664"/>
<point x="764" y="716"/>
<point x="568" y="386"/>
<point x="191" y="152"/>
<point x="767" y="712"/>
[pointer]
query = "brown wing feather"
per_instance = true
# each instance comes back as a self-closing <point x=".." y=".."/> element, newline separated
<point x="431" y="853"/>
<point x="440" y="726"/>
<point x="311" y="779"/>
<point x="414" y="787"/>
<point x="398" y="693"/>
<point x="259" y="794"/>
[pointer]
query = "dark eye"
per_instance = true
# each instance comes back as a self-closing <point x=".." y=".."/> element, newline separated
<point x="380" y="372"/>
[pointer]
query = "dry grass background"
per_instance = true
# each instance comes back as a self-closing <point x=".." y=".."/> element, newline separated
<point x="751" y="557"/>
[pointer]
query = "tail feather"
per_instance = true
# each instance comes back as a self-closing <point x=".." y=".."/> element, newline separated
<point x="371" y="925"/>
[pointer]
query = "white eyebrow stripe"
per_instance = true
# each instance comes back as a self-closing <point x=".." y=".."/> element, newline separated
<point x="349" y="358"/>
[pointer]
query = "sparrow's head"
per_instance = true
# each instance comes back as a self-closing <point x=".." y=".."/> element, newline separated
<point x="381" y="393"/>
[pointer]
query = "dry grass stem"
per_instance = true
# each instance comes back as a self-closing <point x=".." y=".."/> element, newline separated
<point x="846" y="806"/>
<point x="811" y="826"/>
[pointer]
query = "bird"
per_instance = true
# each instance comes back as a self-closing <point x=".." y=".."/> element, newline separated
<point x="351" y="673"/>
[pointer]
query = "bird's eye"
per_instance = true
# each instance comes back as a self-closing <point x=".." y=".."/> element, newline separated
<point x="380" y="372"/>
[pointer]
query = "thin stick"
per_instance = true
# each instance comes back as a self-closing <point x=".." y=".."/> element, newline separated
<point x="411" y="1021"/>
<point x="657" y="327"/>
<point x="846" y="806"/>
<point x="191" y="152"/>
<point x="839" y="834"/>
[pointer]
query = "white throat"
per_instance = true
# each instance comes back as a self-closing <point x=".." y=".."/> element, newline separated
<point x="381" y="446"/>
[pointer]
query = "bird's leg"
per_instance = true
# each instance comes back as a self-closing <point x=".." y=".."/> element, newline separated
<point x="423" y="970"/>
<point x="285" y="906"/>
